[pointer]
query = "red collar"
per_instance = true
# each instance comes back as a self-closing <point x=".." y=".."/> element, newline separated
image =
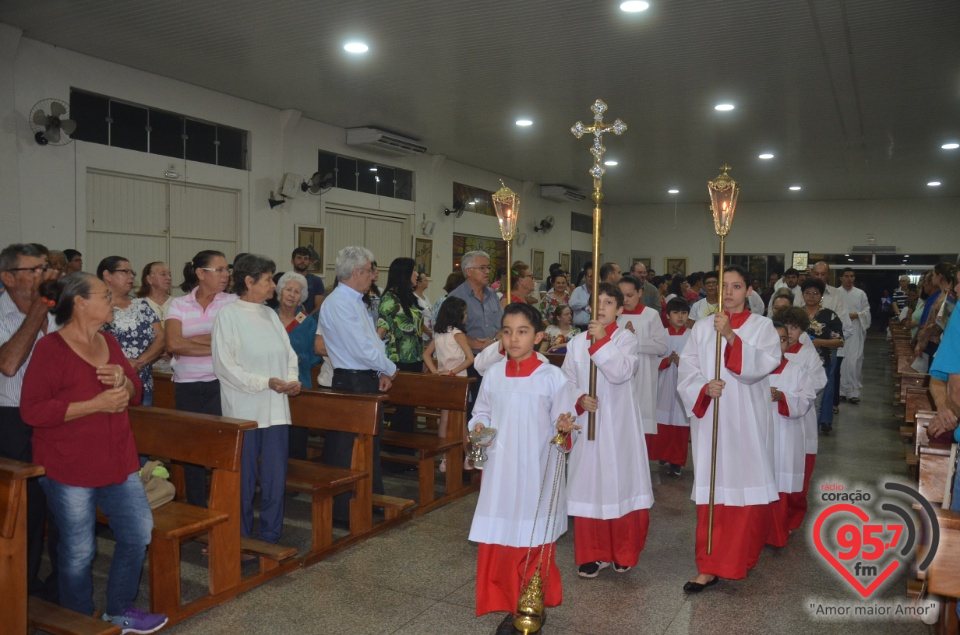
<point x="524" y="368"/>
<point x="737" y="319"/>
<point x="673" y="331"/>
<point x="636" y="311"/>
<point x="783" y="362"/>
<point x="795" y="348"/>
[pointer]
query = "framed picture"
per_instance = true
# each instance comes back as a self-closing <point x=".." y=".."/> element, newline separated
<point x="565" y="261"/>
<point x="536" y="263"/>
<point x="647" y="262"/>
<point x="312" y="238"/>
<point x="801" y="260"/>
<point x="675" y="266"/>
<point x="423" y="255"/>
<point x="495" y="247"/>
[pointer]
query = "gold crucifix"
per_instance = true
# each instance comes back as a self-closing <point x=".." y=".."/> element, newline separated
<point x="597" y="130"/>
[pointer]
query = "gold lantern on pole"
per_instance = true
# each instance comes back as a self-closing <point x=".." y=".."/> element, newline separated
<point x="598" y="129"/>
<point x="507" y="204"/>
<point x="723" y="196"/>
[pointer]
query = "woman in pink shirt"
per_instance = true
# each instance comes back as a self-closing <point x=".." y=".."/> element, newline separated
<point x="188" y="325"/>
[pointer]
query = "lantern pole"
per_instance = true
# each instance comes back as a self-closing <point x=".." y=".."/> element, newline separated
<point x="723" y="194"/>
<point x="507" y="205"/>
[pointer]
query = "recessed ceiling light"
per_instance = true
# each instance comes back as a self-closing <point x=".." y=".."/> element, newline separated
<point x="355" y="47"/>
<point x="794" y="188"/>
<point x="524" y="122"/>
<point x="766" y="155"/>
<point x="723" y="107"/>
<point x="611" y="163"/>
<point x="950" y="146"/>
<point x="933" y="184"/>
<point x="673" y="191"/>
<point x="634" y="6"/>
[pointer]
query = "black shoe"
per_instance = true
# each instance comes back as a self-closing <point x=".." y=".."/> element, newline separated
<point x="826" y="428"/>
<point x="842" y="398"/>
<point x="696" y="587"/>
<point x="591" y="569"/>
<point x="674" y="469"/>
<point x="506" y="626"/>
<point x="620" y="568"/>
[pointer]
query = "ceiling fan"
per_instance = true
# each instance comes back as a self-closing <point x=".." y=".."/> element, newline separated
<point x="51" y="123"/>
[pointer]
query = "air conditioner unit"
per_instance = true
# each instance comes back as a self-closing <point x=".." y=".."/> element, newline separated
<point x="561" y="194"/>
<point x="383" y="141"/>
<point x="290" y="185"/>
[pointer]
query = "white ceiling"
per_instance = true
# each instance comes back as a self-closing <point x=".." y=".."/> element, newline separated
<point x="854" y="97"/>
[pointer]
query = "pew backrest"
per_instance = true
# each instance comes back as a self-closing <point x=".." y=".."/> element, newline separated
<point x="433" y="391"/>
<point x="207" y="440"/>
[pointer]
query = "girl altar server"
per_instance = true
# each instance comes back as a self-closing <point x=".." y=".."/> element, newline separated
<point x="745" y="480"/>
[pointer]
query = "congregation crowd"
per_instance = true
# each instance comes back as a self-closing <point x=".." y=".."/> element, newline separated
<point x="76" y="349"/>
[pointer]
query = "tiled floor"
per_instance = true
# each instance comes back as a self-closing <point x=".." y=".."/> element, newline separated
<point x="418" y="579"/>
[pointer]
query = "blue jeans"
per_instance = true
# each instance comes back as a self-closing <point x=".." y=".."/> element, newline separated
<point x="825" y="416"/>
<point x="264" y="456"/>
<point x="74" y="510"/>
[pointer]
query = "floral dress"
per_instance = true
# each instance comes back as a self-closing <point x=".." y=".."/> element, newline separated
<point x="549" y="304"/>
<point x="404" y="341"/>
<point x="825" y="325"/>
<point x="133" y="328"/>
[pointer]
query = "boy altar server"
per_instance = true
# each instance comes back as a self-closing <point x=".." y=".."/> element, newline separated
<point x="608" y="491"/>
<point x="745" y="481"/>
<point x="673" y="426"/>
<point x="651" y="346"/>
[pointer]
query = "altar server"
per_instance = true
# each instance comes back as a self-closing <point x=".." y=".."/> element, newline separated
<point x="858" y="310"/>
<point x="608" y="492"/>
<point x="673" y="425"/>
<point x="745" y="482"/>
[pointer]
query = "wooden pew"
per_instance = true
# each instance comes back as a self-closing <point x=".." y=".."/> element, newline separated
<point x="943" y="576"/>
<point x="325" y="409"/>
<point x="443" y="393"/>
<point x="216" y="443"/>
<point x="555" y="359"/>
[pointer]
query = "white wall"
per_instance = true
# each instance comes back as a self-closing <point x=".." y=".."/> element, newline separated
<point x="918" y="226"/>
<point x="44" y="187"/>
<point x="44" y="199"/>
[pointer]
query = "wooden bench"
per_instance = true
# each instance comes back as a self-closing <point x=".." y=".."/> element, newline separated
<point x="57" y="620"/>
<point x="555" y="359"/>
<point x="943" y="576"/>
<point x="441" y="392"/>
<point x="360" y="414"/>
<point x="215" y="443"/>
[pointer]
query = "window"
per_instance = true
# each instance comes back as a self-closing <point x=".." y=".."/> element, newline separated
<point x="359" y="175"/>
<point x="121" y="124"/>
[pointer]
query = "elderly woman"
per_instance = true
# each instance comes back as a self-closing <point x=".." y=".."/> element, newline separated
<point x="188" y="325"/>
<point x="258" y="371"/>
<point x="292" y="292"/>
<point x="826" y="333"/>
<point x="401" y="326"/>
<point x="75" y="393"/>
<point x="134" y="324"/>
<point x="155" y="283"/>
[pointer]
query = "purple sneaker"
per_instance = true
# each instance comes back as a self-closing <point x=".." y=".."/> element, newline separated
<point x="134" y="620"/>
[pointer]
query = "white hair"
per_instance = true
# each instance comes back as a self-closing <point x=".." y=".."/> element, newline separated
<point x="293" y="276"/>
<point x="468" y="258"/>
<point x="349" y="259"/>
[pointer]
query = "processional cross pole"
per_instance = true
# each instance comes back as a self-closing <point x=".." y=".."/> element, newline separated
<point x="598" y="129"/>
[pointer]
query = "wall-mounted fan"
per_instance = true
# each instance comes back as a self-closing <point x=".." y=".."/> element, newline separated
<point x="51" y="123"/>
<point x="457" y="210"/>
<point x="317" y="184"/>
<point x="544" y="226"/>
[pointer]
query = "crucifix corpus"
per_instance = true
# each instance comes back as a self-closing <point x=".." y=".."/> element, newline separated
<point x="597" y="130"/>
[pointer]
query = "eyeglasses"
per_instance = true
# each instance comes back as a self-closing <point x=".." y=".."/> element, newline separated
<point x="482" y="268"/>
<point x="129" y="272"/>
<point x="811" y="292"/>
<point x="36" y="270"/>
<point x="211" y="269"/>
<point x="107" y="294"/>
<point x="710" y="284"/>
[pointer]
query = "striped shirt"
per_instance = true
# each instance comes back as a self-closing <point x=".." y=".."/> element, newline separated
<point x="10" y="321"/>
<point x="195" y="321"/>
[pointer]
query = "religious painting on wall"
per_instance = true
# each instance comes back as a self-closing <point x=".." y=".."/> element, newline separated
<point x="495" y="247"/>
<point x="423" y="255"/>
<point x="675" y="266"/>
<point x="536" y="263"/>
<point x="312" y="238"/>
<point x="473" y="199"/>
<point x="565" y="261"/>
<point x="801" y="260"/>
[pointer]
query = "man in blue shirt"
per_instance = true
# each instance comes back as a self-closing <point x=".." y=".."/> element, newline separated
<point x="359" y="360"/>
<point x="580" y="299"/>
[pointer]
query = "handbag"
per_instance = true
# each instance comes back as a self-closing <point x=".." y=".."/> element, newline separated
<point x="158" y="489"/>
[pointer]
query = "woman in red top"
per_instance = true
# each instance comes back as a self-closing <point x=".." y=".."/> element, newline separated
<point x="75" y="393"/>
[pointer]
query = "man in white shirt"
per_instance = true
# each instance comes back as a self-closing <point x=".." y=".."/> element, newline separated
<point x="708" y="305"/>
<point x="858" y="310"/>
<point x="359" y="360"/>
